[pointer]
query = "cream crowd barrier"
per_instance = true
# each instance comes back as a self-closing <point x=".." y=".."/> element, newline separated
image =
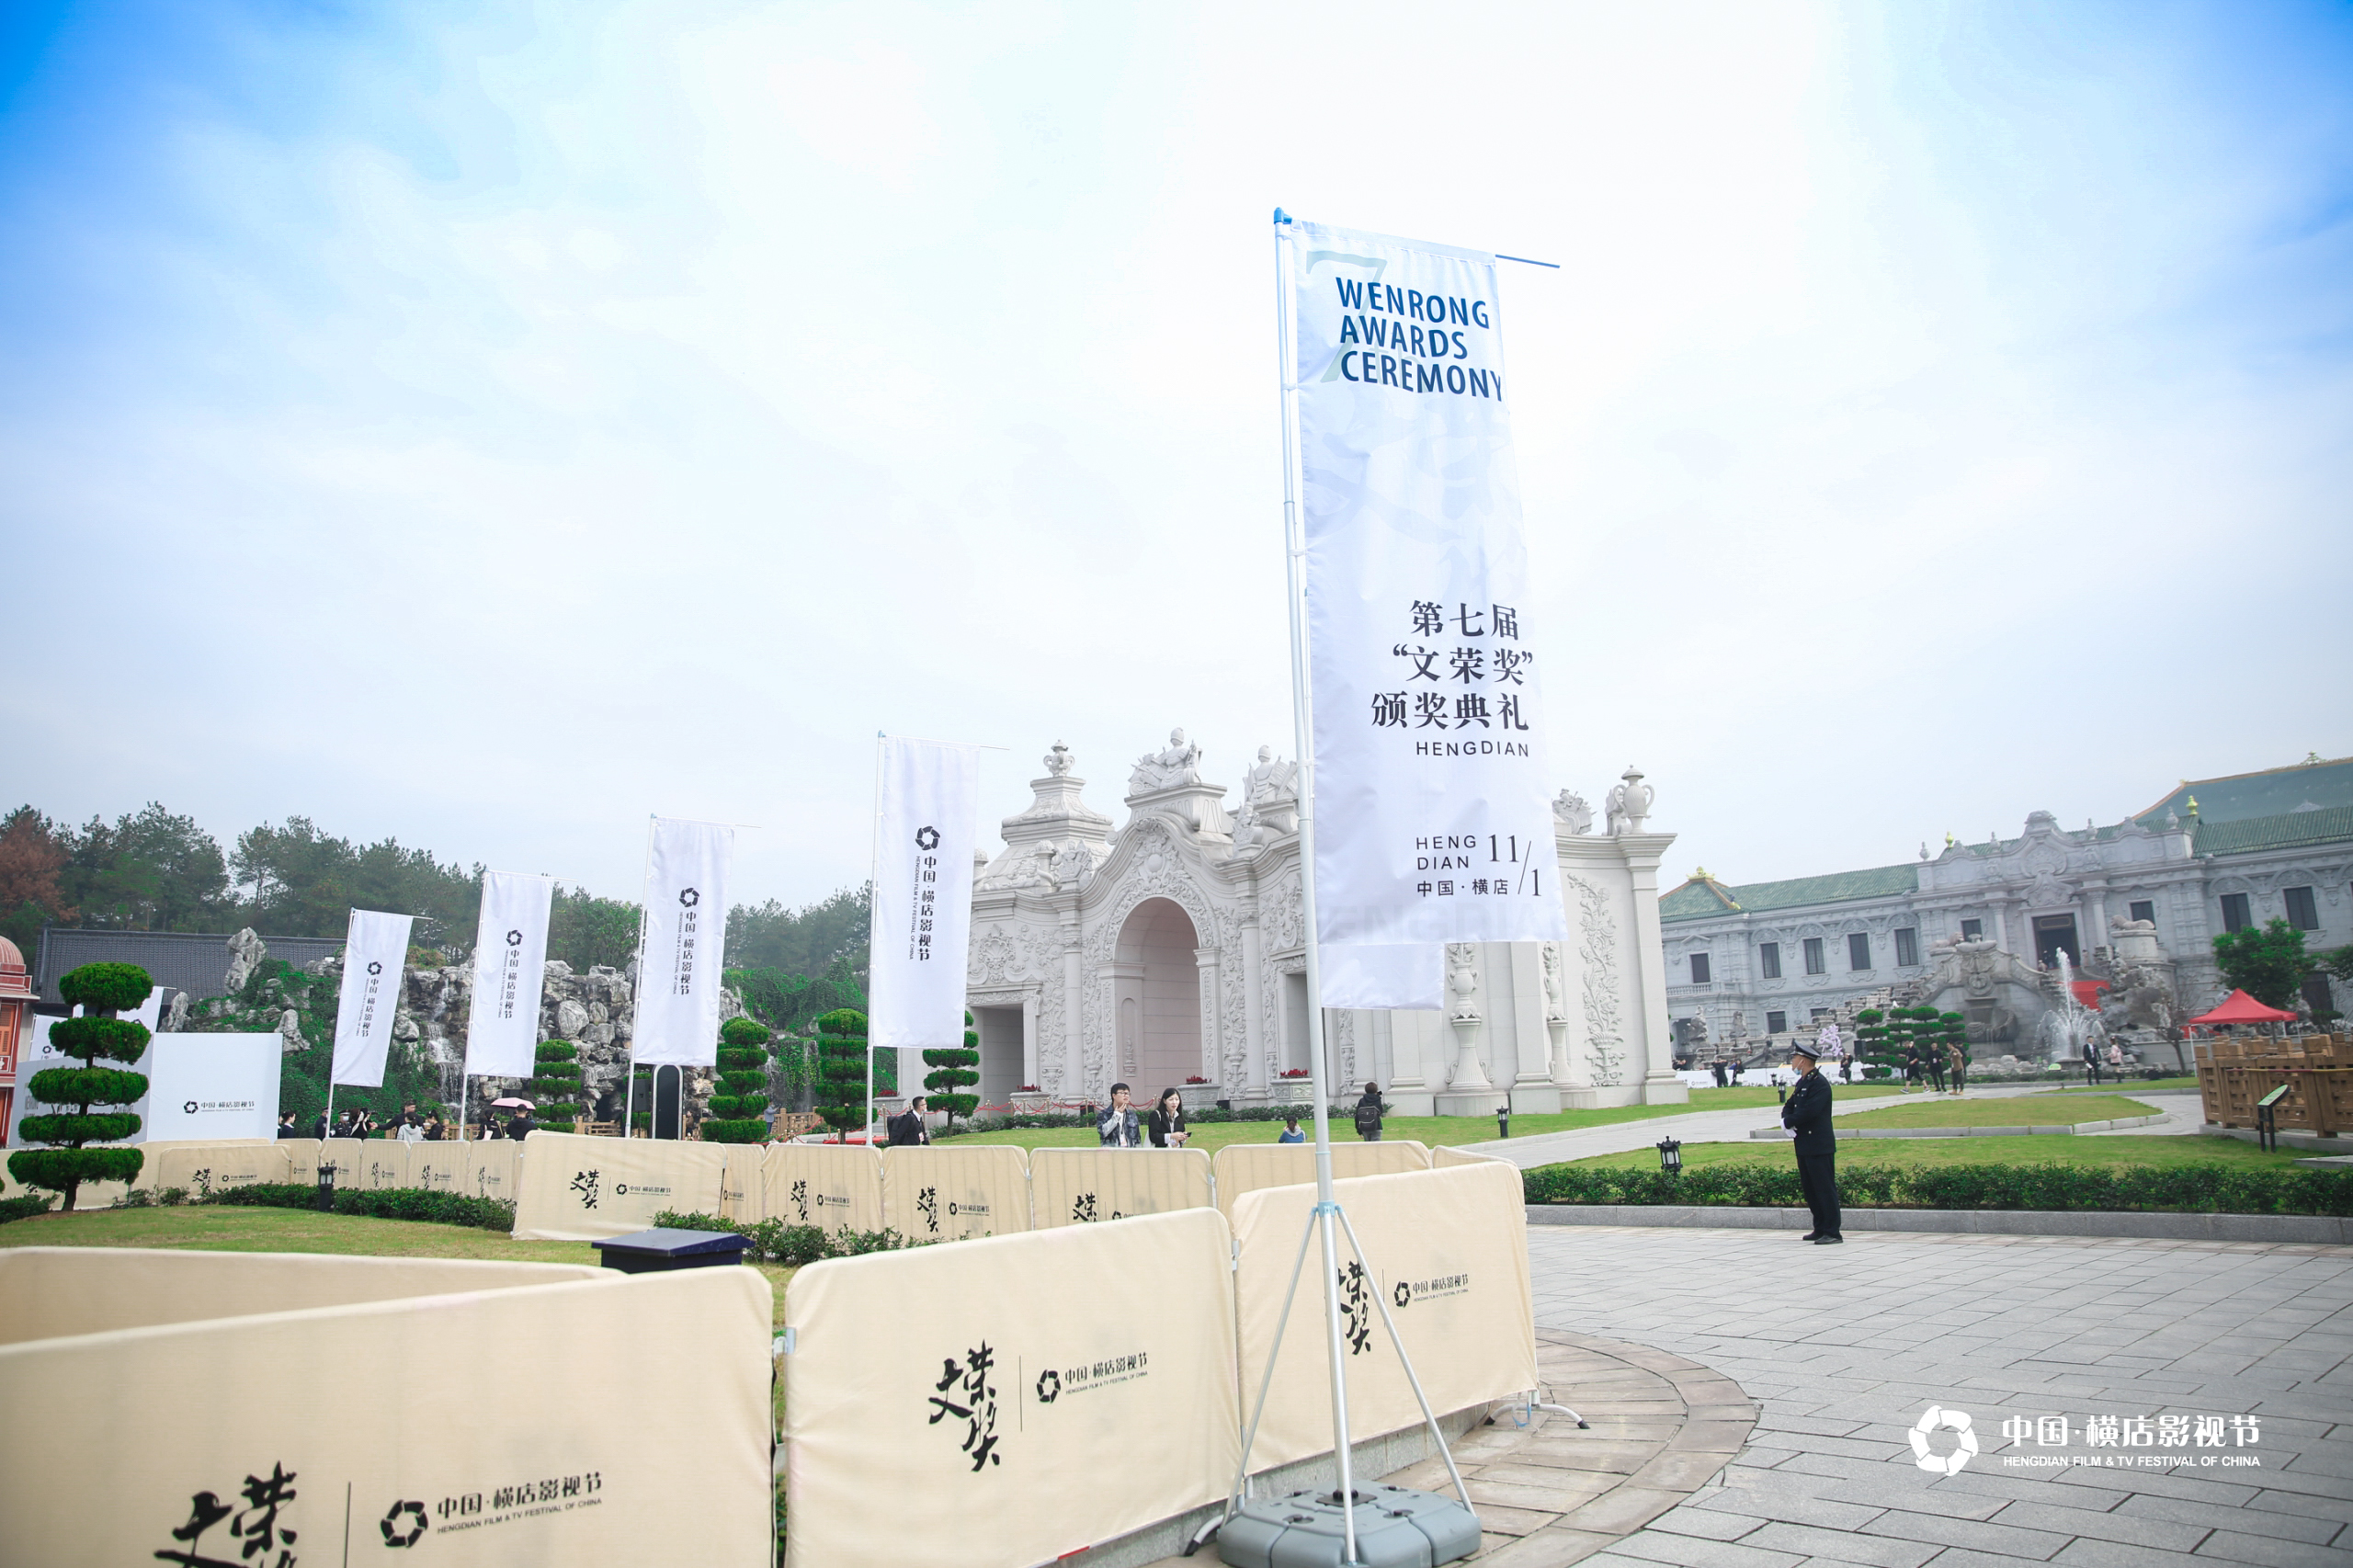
<point x="1010" y="1401"/>
<point x="492" y="1168"/>
<point x="242" y="1451"/>
<point x="949" y="1193"/>
<point x="578" y="1189"/>
<point x="836" y="1186"/>
<point x="1450" y="1258"/>
<point x="1078" y="1186"/>
<point x="1247" y="1167"/>
<point x="1442" y="1155"/>
<point x="203" y="1169"/>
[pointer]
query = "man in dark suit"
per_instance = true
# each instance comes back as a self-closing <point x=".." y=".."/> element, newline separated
<point x="906" y="1129"/>
<point x="1807" y="1114"/>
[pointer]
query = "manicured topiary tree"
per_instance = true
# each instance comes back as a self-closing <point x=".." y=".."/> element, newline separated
<point x="953" y="1072"/>
<point x="1953" y="1031"/>
<point x="100" y="990"/>
<point x="841" y="1069"/>
<point x="1871" y="1039"/>
<point x="743" y="1081"/>
<point x="555" y="1082"/>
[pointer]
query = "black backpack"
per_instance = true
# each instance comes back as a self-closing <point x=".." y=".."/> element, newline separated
<point x="1368" y="1118"/>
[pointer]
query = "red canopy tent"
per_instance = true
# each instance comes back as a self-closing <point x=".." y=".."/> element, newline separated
<point x="2239" y="1007"/>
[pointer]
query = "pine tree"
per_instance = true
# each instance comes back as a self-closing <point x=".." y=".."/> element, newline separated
<point x="952" y="1072"/>
<point x="101" y="991"/>
<point x="742" y="1078"/>
<point x="841" y="1069"/>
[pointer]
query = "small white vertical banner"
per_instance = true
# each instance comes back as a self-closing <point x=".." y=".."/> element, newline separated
<point x="374" y="952"/>
<point x="510" y="969"/>
<point x="923" y="893"/>
<point x="1433" y="814"/>
<point x="686" y="932"/>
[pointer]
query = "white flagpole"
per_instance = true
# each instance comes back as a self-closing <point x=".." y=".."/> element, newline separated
<point x="873" y="908"/>
<point x="637" y="995"/>
<point x="1304" y="733"/>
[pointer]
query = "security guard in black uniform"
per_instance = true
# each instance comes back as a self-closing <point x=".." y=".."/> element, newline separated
<point x="1807" y="1113"/>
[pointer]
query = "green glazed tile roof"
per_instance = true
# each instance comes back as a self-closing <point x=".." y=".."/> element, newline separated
<point x="2283" y="832"/>
<point x="2274" y="792"/>
<point x="1697" y="899"/>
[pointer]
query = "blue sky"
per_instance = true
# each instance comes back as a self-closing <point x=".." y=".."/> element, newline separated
<point x="486" y="424"/>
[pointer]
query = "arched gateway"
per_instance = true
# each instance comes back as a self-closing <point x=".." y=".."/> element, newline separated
<point x="1171" y="947"/>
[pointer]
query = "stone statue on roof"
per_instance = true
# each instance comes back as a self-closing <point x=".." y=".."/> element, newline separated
<point x="1180" y="764"/>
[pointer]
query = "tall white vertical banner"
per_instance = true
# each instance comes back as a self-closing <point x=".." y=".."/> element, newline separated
<point x="1433" y="815"/>
<point x="510" y="969"/>
<point x="923" y="893"/>
<point x="685" y="941"/>
<point x="374" y="952"/>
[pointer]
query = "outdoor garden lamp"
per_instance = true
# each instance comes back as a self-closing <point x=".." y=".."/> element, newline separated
<point x="1670" y="1156"/>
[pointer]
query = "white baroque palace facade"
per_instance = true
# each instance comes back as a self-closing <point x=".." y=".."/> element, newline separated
<point x="1171" y="947"/>
<point x="1978" y="928"/>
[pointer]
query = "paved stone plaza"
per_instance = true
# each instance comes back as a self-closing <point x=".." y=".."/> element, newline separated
<point x="1842" y="1349"/>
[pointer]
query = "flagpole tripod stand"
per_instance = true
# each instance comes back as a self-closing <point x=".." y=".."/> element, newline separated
<point x="1386" y="1525"/>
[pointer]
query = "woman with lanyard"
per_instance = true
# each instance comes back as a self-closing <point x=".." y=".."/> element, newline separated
<point x="1168" y="1121"/>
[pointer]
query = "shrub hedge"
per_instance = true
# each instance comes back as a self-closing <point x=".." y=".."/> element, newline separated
<point x="2198" y="1190"/>
<point x="385" y="1203"/>
<point x="25" y="1206"/>
<point x="773" y="1241"/>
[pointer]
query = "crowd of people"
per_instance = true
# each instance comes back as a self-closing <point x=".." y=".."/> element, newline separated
<point x="412" y="1125"/>
<point x="1120" y="1125"/>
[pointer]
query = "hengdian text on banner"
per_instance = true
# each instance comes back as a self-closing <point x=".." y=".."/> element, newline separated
<point x="686" y="924"/>
<point x="510" y="967"/>
<point x="923" y="893"/>
<point x="373" y="952"/>
<point x="1433" y="821"/>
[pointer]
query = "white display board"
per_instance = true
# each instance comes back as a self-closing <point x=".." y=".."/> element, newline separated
<point x="231" y="1080"/>
<point x="212" y="1086"/>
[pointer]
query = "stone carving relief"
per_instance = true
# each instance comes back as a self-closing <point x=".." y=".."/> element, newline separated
<point x="1343" y="1057"/>
<point x="1573" y="813"/>
<point x="1556" y="991"/>
<point x="1462" y="981"/>
<point x="1059" y="761"/>
<point x="1597" y="947"/>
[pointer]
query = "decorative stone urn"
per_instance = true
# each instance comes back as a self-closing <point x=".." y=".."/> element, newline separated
<point x="1030" y="1102"/>
<point x="1291" y="1091"/>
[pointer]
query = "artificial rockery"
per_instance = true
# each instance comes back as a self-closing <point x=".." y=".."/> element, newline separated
<point x="585" y="1014"/>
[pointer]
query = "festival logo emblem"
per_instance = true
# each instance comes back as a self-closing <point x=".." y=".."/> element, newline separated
<point x="1933" y="1419"/>
<point x="395" y="1533"/>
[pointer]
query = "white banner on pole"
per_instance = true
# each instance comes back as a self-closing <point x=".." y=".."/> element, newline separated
<point x="923" y="893"/>
<point x="1433" y="818"/>
<point x="1406" y="975"/>
<point x="686" y="930"/>
<point x="374" y="954"/>
<point x="510" y="967"/>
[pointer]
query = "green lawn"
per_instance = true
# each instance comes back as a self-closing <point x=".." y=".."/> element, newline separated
<point x="1432" y="1129"/>
<point x="227" y="1229"/>
<point x="2053" y="1109"/>
<point x="2064" y="1148"/>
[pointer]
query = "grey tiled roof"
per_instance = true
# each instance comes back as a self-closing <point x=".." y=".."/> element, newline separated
<point x="194" y="962"/>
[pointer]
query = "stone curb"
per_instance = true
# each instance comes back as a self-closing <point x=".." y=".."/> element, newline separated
<point x="1846" y="1132"/>
<point x="2289" y="1138"/>
<point x="2326" y="1229"/>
